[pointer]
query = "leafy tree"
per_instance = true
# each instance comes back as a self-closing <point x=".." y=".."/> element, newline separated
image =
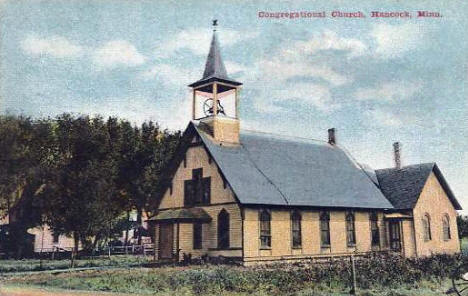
<point x="462" y="223"/>
<point x="79" y="175"/>
<point x="81" y="198"/>
<point x="25" y="157"/>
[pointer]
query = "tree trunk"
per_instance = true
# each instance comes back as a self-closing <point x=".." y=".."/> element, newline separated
<point x="94" y="244"/>
<point x="139" y="214"/>
<point x="76" y="240"/>
<point x="126" y="229"/>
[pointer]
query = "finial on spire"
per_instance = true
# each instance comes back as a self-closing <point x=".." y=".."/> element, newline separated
<point x="215" y="23"/>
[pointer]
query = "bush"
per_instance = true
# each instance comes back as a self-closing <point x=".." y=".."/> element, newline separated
<point x="312" y="278"/>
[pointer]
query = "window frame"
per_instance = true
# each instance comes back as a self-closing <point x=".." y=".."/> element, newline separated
<point x="197" y="236"/>
<point x="426" y="222"/>
<point x="325" y="221"/>
<point x="55" y="238"/>
<point x="224" y="240"/>
<point x="265" y="234"/>
<point x="446" y="231"/>
<point x="374" y="229"/>
<point x="296" y="234"/>
<point x="197" y="191"/>
<point x="350" y="229"/>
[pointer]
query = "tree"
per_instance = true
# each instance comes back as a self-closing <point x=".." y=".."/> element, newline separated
<point x="81" y="197"/>
<point x="25" y="158"/>
<point x="462" y="223"/>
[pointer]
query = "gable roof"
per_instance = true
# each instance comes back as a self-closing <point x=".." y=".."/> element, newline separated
<point x="267" y="169"/>
<point x="402" y="187"/>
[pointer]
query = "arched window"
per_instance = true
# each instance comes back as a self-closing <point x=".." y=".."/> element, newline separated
<point x="265" y="229"/>
<point x="296" y="229"/>
<point x="223" y="229"/>
<point x="374" y="226"/>
<point x="350" y="229"/>
<point x="325" y="229"/>
<point x="446" y="227"/>
<point x="426" y="222"/>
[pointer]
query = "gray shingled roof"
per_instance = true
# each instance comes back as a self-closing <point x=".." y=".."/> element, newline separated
<point x="275" y="170"/>
<point x="402" y="187"/>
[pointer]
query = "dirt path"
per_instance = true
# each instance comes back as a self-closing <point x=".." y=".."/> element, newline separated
<point x="28" y="291"/>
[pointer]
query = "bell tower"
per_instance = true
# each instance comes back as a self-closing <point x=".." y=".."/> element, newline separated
<point x="215" y="98"/>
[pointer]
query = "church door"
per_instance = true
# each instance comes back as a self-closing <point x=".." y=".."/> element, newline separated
<point x="166" y="240"/>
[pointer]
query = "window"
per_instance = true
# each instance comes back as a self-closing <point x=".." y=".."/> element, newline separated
<point x="223" y="229"/>
<point x="446" y="227"/>
<point x="197" y="191"/>
<point x="197" y="235"/>
<point x="55" y="238"/>
<point x="265" y="229"/>
<point x="296" y="229"/>
<point x="426" y="222"/>
<point x="325" y="229"/>
<point x="350" y="229"/>
<point x="374" y="226"/>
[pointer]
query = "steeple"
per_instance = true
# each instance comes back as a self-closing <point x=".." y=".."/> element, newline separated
<point x="214" y="66"/>
<point x="215" y="97"/>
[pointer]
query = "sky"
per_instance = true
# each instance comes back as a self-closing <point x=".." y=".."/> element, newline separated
<point x="376" y="80"/>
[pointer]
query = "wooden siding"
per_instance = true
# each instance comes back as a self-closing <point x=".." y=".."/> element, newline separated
<point x="222" y="197"/>
<point x="435" y="202"/>
<point x="281" y="245"/>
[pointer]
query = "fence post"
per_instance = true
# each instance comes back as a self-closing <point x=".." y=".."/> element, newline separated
<point x="353" y="272"/>
<point x="72" y="262"/>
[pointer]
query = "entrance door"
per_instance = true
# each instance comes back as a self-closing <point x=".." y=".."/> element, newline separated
<point x="166" y="240"/>
<point x="395" y="239"/>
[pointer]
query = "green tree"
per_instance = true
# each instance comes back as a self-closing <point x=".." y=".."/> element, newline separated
<point x="462" y="223"/>
<point x="81" y="199"/>
<point x="26" y="154"/>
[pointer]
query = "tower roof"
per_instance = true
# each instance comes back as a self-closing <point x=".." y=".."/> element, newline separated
<point x="214" y="66"/>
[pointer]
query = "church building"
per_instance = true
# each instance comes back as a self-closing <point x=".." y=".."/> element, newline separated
<point x="256" y="197"/>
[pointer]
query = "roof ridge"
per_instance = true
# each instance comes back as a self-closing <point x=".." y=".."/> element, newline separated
<point x="286" y="137"/>
<point x="408" y="166"/>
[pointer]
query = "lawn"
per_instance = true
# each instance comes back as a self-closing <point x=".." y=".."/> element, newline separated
<point x="379" y="276"/>
<point x="7" y="266"/>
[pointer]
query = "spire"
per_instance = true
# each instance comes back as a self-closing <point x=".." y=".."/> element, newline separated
<point x="214" y="66"/>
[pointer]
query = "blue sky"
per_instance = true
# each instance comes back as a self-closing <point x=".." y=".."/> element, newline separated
<point x="376" y="80"/>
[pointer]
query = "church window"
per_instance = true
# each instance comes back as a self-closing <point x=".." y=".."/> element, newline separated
<point x="223" y="229"/>
<point x="197" y="235"/>
<point x="350" y="229"/>
<point x="374" y="226"/>
<point x="296" y="229"/>
<point x="325" y="229"/>
<point x="197" y="191"/>
<point x="446" y="227"/>
<point x="265" y="229"/>
<point x="426" y="222"/>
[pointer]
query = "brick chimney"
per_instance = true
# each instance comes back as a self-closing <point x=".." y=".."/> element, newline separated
<point x="397" y="154"/>
<point x="332" y="136"/>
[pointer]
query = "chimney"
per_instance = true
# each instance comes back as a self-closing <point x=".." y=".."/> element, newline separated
<point x="397" y="154"/>
<point x="332" y="136"/>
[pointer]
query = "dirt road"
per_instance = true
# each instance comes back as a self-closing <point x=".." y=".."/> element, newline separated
<point x="27" y="291"/>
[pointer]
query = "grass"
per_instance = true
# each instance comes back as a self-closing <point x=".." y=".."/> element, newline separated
<point x="7" y="266"/>
<point x="212" y="280"/>
<point x="377" y="275"/>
